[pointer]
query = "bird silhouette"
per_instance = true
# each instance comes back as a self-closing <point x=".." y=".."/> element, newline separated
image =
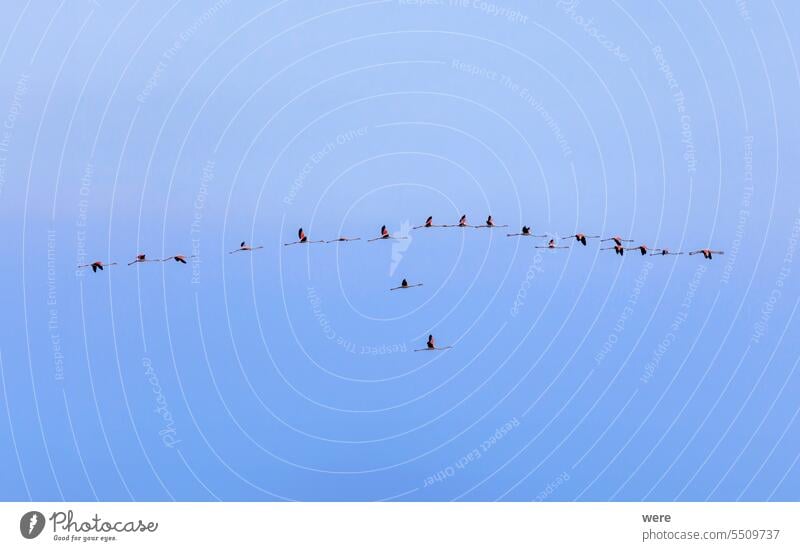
<point x="243" y="246"/>
<point x="385" y="235"/>
<point x="302" y="239"/>
<point x="462" y="223"/>
<point x="97" y="265"/>
<point x="178" y="258"/>
<point x="526" y="232"/>
<point x="550" y="245"/>
<point x="707" y="253"/>
<point x="344" y="239"/>
<point x="617" y="239"/>
<point x="140" y="258"/>
<point x="664" y="252"/>
<point x="490" y="224"/>
<point x="581" y="237"/>
<point x="428" y="224"/>
<point x="431" y="345"/>
<point x="618" y="249"/>
<point x="404" y="285"/>
<point x="641" y="248"/>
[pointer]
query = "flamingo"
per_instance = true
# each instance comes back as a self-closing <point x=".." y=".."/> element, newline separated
<point x="142" y="258"/>
<point x="581" y="237"/>
<point x="345" y="239"/>
<point x="551" y="245"/>
<point x="385" y="235"/>
<point x="243" y="246"/>
<point x="618" y="249"/>
<point x="432" y="346"/>
<point x="428" y="224"/>
<point x="618" y="240"/>
<point x="302" y="239"/>
<point x="707" y="253"/>
<point x="526" y="232"/>
<point x="462" y="223"/>
<point x="664" y="252"/>
<point x="97" y="265"/>
<point x="641" y="248"/>
<point x="404" y="285"/>
<point x="178" y="258"/>
<point x="490" y="224"/>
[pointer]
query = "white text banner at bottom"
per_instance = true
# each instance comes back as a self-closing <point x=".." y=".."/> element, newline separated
<point x="355" y="526"/>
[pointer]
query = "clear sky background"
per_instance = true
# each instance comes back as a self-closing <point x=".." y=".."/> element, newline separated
<point x="186" y="127"/>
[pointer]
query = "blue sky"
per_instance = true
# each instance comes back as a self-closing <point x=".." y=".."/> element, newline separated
<point x="288" y="373"/>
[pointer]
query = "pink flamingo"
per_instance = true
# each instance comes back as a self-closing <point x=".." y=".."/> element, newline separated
<point x="707" y="253"/>
<point x="428" y="224"/>
<point x="618" y="240"/>
<point x="178" y="258"/>
<point x="404" y="285"/>
<point x="618" y="249"/>
<point x="641" y="248"/>
<point x="432" y="346"/>
<point x="243" y="246"/>
<point x="97" y="265"/>
<point x="462" y="223"/>
<point x="526" y="232"/>
<point x="302" y="239"/>
<point x="664" y="252"/>
<point x="385" y="235"/>
<point x="581" y="237"/>
<point x="344" y="239"/>
<point x="490" y="224"/>
<point x="140" y="258"/>
<point x="551" y="245"/>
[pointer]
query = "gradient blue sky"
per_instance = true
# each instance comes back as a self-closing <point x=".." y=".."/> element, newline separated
<point x="181" y="127"/>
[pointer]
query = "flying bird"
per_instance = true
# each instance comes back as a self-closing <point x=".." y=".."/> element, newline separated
<point x="428" y="224"/>
<point x="142" y="258"/>
<point x="432" y="346"/>
<point x="581" y="237"/>
<point x="404" y="285"/>
<point x="618" y="249"/>
<point x="490" y="224"/>
<point x="302" y="239"/>
<point x="462" y="223"/>
<point x="618" y="240"/>
<point x="641" y="248"/>
<point x="344" y="239"/>
<point x="243" y="246"/>
<point x="707" y="253"/>
<point x="664" y="252"/>
<point x="526" y="232"/>
<point x="385" y="235"/>
<point x="178" y="258"/>
<point x="97" y="265"/>
<point x="550" y="245"/>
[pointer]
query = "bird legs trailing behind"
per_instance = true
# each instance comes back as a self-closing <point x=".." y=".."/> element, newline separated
<point x="302" y="239"/>
<point x="243" y="246"/>
<point x="97" y="265"/>
<point x="431" y="345"/>
<point x="385" y="235"/>
<point x="526" y="232"/>
<point x="490" y="224"/>
<point x="550" y="245"/>
<point x="405" y="285"/>
<point x="140" y="259"/>
<point x="707" y="253"/>
<point x="580" y="237"/>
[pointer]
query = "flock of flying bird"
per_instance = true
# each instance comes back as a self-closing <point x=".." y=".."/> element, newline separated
<point x="302" y="239"/>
